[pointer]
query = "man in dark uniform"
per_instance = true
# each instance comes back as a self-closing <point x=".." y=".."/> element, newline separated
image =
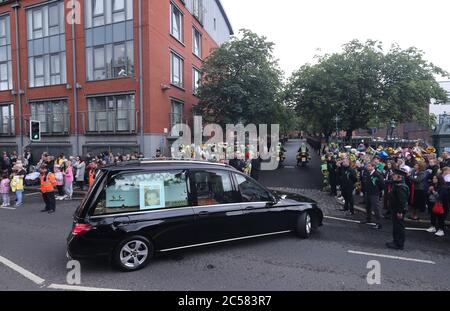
<point x="398" y="203"/>
<point x="332" y="174"/>
<point x="372" y="187"/>
<point x="348" y="180"/>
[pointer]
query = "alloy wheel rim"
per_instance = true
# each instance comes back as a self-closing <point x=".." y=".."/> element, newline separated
<point x="308" y="224"/>
<point x="133" y="254"/>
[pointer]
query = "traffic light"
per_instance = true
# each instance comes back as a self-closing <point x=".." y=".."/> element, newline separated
<point x="35" y="131"/>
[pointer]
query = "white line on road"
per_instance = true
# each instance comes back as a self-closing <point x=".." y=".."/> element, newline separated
<point x="342" y="219"/>
<point x="392" y="257"/>
<point x="29" y="275"/>
<point x="358" y="222"/>
<point x="8" y="208"/>
<point x="416" y="229"/>
<point x="83" y="288"/>
<point x="30" y="194"/>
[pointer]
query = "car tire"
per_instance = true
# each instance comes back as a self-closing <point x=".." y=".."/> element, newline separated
<point x="133" y="254"/>
<point x="304" y="225"/>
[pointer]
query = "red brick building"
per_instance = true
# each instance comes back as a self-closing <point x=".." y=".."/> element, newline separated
<point x="85" y="81"/>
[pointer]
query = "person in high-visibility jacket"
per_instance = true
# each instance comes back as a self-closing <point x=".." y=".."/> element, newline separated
<point x="92" y="173"/>
<point x="48" y="185"/>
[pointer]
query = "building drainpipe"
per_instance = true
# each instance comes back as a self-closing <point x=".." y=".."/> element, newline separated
<point x="75" y="83"/>
<point x="141" y="83"/>
<point x="16" y="7"/>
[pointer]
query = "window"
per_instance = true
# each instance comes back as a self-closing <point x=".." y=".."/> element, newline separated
<point x="118" y="11"/>
<point x="55" y="69"/>
<point x="139" y="192"/>
<point x="176" y="65"/>
<point x="251" y="191"/>
<point x="176" y="22"/>
<point x="196" y="80"/>
<point x="177" y="113"/>
<point x="46" y="45"/>
<point x="213" y="187"/>
<point x="105" y="12"/>
<point x="114" y="113"/>
<point x="6" y="119"/>
<point x="196" y="42"/>
<point x="197" y="9"/>
<point x="52" y="114"/>
<point x="109" y="39"/>
<point x="5" y="54"/>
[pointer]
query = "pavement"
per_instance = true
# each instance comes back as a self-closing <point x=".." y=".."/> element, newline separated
<point x="337" y="257"/>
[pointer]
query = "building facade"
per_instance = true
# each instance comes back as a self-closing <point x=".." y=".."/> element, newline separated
<point x="441" y="109"/>
<point x="102" y="75"/>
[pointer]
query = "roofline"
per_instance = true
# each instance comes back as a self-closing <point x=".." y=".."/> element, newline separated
<point x="140" y="162"/>
<point x="224" y="13"/>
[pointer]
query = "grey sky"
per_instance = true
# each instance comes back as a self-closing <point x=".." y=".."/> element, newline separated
<point x="300" y="27"/>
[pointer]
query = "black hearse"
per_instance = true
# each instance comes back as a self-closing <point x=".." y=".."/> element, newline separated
<point x="137" y="209"/>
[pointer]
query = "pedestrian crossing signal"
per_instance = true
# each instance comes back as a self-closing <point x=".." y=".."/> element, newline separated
<point x="35" y="131"/>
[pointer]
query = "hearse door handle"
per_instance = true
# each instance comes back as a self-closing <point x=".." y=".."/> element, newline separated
<point x="204" y="213"/>
<point x="250" y="208"/>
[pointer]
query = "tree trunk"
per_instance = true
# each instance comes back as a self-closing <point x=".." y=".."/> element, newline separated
<point x="349" y="135"/>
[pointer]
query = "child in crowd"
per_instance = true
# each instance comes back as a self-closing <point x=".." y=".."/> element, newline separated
<point x="59" y="182"/>
<point x="68" y="180"/>
<point x="17" y="180"/>
<point x="5" y="189"/>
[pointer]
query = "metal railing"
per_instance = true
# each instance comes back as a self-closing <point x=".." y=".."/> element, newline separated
<point x="51" y="123"/>
<point x="113" y="121"/>
<point x="7" y="126"/>
<point x="176" y="118"/>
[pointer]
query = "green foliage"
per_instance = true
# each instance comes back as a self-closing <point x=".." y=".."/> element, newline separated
<point x="242" y="83"/>
<point x="365" y="86"/>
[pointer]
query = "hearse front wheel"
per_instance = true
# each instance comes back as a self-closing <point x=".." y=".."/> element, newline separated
<point x="304" y="225"/>
<point x="133" y="253"/>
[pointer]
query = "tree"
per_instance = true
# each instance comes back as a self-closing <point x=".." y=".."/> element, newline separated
<point x="241" y="83"/>
<point x="363" y="85"/>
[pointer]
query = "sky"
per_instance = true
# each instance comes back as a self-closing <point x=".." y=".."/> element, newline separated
<point x="302" y="29"/>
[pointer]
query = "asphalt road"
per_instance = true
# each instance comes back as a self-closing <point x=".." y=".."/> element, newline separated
<point x="309" y="177"/>
<point x="335" y="258"/>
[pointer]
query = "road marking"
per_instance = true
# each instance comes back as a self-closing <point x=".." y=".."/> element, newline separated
<point x="8" y="208"/>
<point x="416" y="229"/>
<point x="30" y="194"/>
<point x="371" y="224"/>
<point x="342" y="219"/>
<point x="289" y="167"/>
<point x="392" y="257"/>
<point x="29" y="275"/>
<point x="84" y="288"/>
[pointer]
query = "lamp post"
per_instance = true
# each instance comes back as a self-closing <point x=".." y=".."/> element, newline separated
<point x="393" y="126"/>
<point x="337" y="119"/>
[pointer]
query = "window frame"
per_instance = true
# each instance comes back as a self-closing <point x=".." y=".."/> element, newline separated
<point x="200" y="42"/>
<point x="196" y="87"/>
<point x="212" y="170"/>
<point x="101" y="193"/>
<point x="235" y="174"/>
<point x="173" y="55"/>
<point x="173" y="8"/>
<point x="49" y="115"/>
<point x="10" y="119"/>
<point x="113" y="126"/>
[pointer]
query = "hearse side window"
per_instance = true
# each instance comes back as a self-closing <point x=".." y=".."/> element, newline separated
<point x="137" y="192"/>
<point x="214" y="187"/>
<point x="251" y="191"/>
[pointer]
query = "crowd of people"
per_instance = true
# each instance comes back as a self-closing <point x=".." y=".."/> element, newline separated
<point x="56" y="176"/>
<point x="371" y="173"/>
